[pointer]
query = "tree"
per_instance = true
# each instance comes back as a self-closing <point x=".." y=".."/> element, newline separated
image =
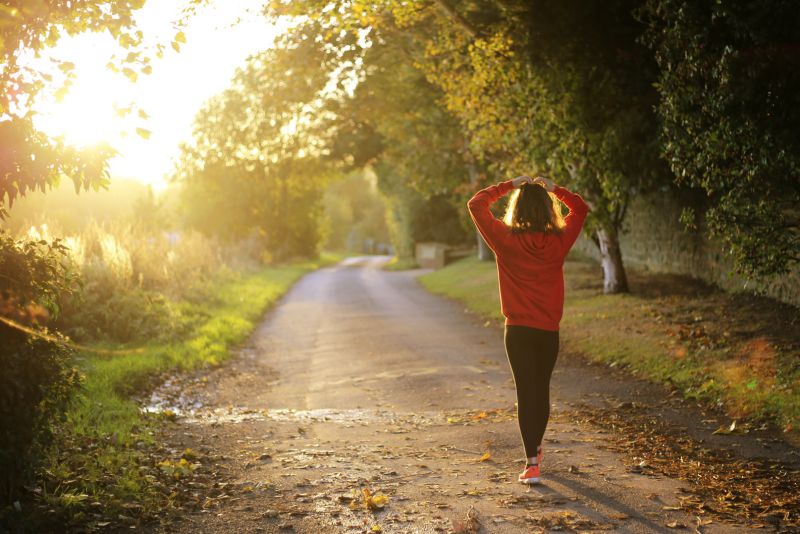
<point x="729" y="87"/>
<point x="419" y="156"/>
<point x="29" y="159"/>
<point x="255" y="164"/>
<point x="355" y="213"/>
<point x="37" y="376"/>
<point x="395" y="122"/>
<point x="561" y="88"/>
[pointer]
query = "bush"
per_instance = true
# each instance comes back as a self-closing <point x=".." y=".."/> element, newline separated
<point x="37" y="378"/>
<point x="36" y="382"/>
<point x="130" y="279"/>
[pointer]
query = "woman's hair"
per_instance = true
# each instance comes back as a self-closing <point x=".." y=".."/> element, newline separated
<point x="532" y="209"/>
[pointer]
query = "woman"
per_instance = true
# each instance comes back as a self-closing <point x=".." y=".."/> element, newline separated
<point x="530" y="245"/>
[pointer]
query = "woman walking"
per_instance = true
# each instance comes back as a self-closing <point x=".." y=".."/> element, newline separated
<point x="530" y="245"/>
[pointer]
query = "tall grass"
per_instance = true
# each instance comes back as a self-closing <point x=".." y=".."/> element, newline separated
<point x="137" y="282"/>
<point x="148" y="302"/>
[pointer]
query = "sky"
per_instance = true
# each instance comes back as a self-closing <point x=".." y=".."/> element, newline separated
<point x="218" y="39"/>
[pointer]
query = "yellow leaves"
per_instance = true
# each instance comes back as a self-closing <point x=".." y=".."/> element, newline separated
<point x="52" y="36"/>
<point x="365" y="499"/>
<point x="130" y="74"/>
<point x="62" y="91"/>
<point x="485" y="457"/>
<point x="190" y="455"/>
<point x="177" y="469"/>
<point x="66" y="66"/>
<point x="733" y="428"/>
<point x="495" y="414"/>
<point x="7" y="14"/>
<point x="143" y="133"/>
<point x="180" y="38"/>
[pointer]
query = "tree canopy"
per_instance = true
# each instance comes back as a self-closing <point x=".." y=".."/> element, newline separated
<point x="29" y="159"/>
<point x="256" y="162"/>
<point x="729" y="87"/>
<point x="613" y="99"/>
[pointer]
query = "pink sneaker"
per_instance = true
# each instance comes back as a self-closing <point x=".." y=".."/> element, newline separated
<point x="530" y="475"/>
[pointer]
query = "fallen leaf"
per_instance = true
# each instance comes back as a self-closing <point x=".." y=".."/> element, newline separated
<point x="367" y="500"/>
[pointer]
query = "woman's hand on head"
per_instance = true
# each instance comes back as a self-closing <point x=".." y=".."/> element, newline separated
<point x="545" y="182"/>
<point x="519" y="181"/>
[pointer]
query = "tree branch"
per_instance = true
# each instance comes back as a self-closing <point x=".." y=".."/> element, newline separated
<point x="463" y="23"/>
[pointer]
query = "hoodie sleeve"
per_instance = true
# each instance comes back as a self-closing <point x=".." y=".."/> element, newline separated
<point x="578" y="209"/>
<point x="494" y="231"/>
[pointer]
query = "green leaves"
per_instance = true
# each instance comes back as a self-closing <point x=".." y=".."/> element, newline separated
<point x="256" y="167"/>
<point x="33" y="160"/>
<point x="729" y="110"/>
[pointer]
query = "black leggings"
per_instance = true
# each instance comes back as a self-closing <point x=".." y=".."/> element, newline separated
<point x="532" y="354"/>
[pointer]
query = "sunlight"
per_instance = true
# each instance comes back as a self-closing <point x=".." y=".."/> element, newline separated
<point x="218" y="40"/>
<point x="86" y="115"/>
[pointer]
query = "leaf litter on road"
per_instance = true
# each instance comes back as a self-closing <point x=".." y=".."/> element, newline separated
<point x="762" y="492"/>
<point x="365" y="499"/>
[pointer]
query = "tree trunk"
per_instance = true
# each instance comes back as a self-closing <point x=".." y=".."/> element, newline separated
<point x="484" y="252"/>
<point x="614" y="278"/>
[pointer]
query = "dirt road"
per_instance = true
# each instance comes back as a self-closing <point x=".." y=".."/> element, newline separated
<point x="360" y="380"/>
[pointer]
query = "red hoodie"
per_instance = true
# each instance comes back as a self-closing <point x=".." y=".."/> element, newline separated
<point x="529" y="264"/>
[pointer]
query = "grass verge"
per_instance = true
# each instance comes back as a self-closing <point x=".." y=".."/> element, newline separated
<point x="107" y="466"/>
<point x="400" y="264"/>
<point x="737" y="351"/>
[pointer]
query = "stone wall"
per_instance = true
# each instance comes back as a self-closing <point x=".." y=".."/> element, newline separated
<point x="654" y="239"/>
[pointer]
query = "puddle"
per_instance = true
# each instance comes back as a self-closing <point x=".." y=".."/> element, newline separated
<point x="182" y="398"/>
<point x="176" y="396"/>
<point x="347" y="417"/>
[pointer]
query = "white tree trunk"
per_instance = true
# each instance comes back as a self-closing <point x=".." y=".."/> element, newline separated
<point x="614" y="278"/>
<point x="484" y="252"/>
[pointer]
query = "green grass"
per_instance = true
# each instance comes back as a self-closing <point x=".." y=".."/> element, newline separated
<point x="400" y="264"/>
<point x="657" y="332"/>
<point x="106" y="444"/>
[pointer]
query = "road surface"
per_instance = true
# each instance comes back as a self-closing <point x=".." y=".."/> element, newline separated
<point x="359" y="379"/>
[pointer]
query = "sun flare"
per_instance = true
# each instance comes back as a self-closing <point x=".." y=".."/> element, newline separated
<point x="87" y="115"/>
<point x="146" y="120"/>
